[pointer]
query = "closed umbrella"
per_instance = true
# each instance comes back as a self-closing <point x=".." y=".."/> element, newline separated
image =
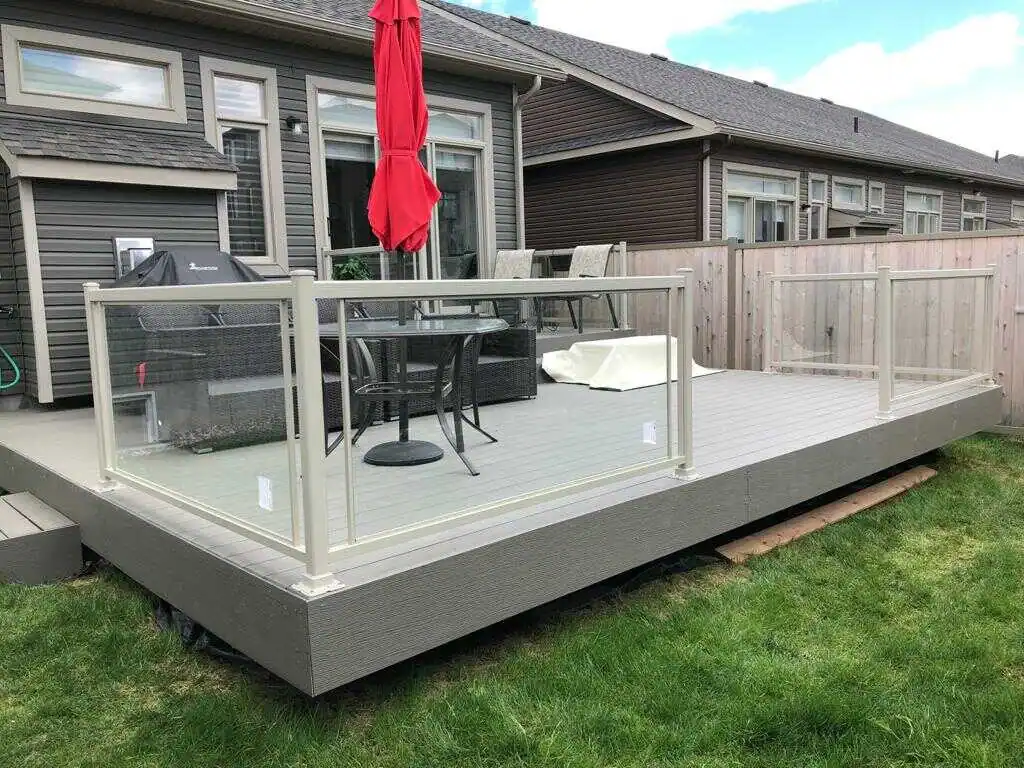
<point x="403" y="194"/>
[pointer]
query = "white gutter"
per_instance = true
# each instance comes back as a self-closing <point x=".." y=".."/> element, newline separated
<point x="517" y="136"/>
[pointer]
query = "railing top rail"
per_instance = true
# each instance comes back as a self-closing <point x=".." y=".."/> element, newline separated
<point x="221" y="293"/>
<point x="454" y="289"/>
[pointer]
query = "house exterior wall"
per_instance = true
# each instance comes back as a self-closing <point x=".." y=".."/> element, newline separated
<point x="76" y="224"/>
<point x="895" y="181"/>
<point x="573" y="110"/>
<point x="76" y="252"/>
<point x="642" y="196"/>
<point x="10" y="328"/>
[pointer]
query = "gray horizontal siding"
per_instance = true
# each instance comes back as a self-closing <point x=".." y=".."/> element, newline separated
<point x="76" y="242"/>
<point x="10" y="328"/>
<point x="642" y="196"/>
<point x="76" y="224"/>
<point x="895" y="182"/>
<point x="574" y="110"/>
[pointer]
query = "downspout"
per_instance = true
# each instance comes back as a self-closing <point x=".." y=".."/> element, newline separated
<point x="517" y="130"/>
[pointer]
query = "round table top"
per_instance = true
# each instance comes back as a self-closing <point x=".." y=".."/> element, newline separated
<point x="390" y="328"/>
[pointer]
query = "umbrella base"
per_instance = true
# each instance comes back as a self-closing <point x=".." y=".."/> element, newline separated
<point x="409" y="453"/>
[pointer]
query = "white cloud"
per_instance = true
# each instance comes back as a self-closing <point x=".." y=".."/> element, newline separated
<point x="494" y="6"/>
<point x="964" y="84"/>
<point x="646" y="25"/>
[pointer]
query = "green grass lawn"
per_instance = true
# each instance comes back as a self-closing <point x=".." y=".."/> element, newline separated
<point x="893" y="638"/>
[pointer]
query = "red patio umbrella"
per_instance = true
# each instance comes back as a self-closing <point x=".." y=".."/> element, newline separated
<point x="403" y="194"/>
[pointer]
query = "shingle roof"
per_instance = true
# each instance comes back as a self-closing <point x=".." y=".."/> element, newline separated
<point x="741" y="106"/>
<point x="28" y="137"/>
<point x="438" y="29"/>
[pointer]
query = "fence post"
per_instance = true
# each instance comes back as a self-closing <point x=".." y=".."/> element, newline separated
<point x="767" y="343"/>
<point x="684" y="372"/>
<point x="883" y="321"/>
<point x="734" y="304"/>
<point x="312" y="440"/>
<point x="102" y="391"/>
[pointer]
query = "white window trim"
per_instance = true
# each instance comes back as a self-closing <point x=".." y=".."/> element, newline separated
<point x="760" y="171"/>
<point x="486" y="213"/>
<point x="963" y="210"/>
<point x="852" y="183"/>
<point x="871" y="187"/>
<point x="812" y="204"/>
<point x="273" y="171"/>
<point x="1018" y="204"/>
<point x="921" y="191"/>
<point x="11" y="38"/>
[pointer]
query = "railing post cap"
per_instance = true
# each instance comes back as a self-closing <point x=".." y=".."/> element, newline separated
<point x="91" y="285"/>
<point x="302" y="273"/>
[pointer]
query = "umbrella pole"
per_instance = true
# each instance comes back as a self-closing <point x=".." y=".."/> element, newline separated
<point x="403" y="360"/>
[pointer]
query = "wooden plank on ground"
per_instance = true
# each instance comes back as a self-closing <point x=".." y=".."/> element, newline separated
<point x="741" y="550"/>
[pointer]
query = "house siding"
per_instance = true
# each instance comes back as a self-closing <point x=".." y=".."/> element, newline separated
<point x="895" y="182"/>
<point x="642" y="196"/>
<point x="76" y="224"/>
<point x="80" y="251"/>
<point x="573" y="110"/>
<point x="10" y="328"/>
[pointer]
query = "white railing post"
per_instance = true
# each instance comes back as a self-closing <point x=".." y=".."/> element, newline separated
<point x="990" y="336"/>
<point x="312" y="440"/>
<point x="623" y="297"/>
<point x="684" y="365"/>
<point x="883" y="321"/>
<point x="767" y="342"/>
<point x="102" y="390"/>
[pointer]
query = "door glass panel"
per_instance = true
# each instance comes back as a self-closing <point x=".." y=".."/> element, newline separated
<point x="458" y="214"/>
<point x="817" y="190"/>
<point x="764" y="221"/>
<point x="783" y="221"/>
<point x="815" y="226"/>
<point x="247" y="225"/>
<point x="349" y="168"/>
<point x="736" y="226"/>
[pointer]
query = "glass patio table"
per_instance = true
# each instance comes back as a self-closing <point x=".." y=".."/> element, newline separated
<point x="459" y="333"/>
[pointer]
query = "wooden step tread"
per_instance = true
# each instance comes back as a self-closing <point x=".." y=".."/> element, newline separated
<point x="22" y="514"/>
<point x="38" y="544"/>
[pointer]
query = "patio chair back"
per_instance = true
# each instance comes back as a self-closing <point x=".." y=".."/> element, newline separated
<point x="514" y="265"/>
<point x="590" y="260"/>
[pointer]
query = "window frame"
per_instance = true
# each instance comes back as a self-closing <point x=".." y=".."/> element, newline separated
<point x="880" y="185"/>
<point x="1017" y="204"/>
<point x="819" y="207"/>
<point x="275" y="221"/>
<point x="964" y="215"/>
<point x="751" y="198"/>
<point x="320" y="132"/>
<point x="849" y="182"/>
<point x="13" y="37"/>
<point x="922" y="191"/>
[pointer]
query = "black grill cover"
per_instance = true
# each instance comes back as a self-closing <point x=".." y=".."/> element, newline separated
<point x="189" y="266"/>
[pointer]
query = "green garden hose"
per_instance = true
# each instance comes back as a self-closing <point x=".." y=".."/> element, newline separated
<point x="14" y="367"/>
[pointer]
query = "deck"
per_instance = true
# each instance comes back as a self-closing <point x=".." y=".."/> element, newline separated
<point x="761" y="444"/>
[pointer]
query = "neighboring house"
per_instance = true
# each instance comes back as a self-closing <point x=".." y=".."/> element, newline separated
<point x="637" y="147"/>
<point x="244" y="125"/>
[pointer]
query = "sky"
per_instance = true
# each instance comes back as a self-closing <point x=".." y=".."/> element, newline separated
<point x="950" y="68"/>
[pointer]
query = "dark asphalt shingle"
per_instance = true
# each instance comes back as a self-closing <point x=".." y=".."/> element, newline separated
<point x="28" y="137"/>
<point x="741" y="105"/>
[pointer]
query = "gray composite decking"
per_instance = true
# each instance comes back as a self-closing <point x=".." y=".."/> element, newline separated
<point x="761" y="444"/>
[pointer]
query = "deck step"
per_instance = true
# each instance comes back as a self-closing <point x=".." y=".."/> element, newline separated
<point x="37" y="543"/>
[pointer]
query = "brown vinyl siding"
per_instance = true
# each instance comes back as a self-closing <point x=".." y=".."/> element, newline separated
<point x="560" y="112"/>
<point x="895" y="182"/>
<point x="642" y="196"/>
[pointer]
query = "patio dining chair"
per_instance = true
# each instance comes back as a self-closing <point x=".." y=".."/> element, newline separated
<point x="587" y="261"/>
<point x="512" y="265"/>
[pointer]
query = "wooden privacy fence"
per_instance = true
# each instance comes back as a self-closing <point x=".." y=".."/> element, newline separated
<point x="834" y="322"/>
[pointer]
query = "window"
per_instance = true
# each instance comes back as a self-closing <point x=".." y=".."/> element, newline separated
<point x="973" y="214"/>
<point x="54" y="70"/>
<point x="1017" y="211"/>
<point x="760" y="204"/>
<point x="876" y="197"/>
<point x="241" y="114"/>
<point x="457" y="157"/>
<point x="922" y="212"/>
<point x="817" y="211"/>
<point x="848" y="194"/>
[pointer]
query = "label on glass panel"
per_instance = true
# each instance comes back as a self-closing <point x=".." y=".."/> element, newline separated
<point x="266" y="492"/>
<point x="650" y="433"/>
